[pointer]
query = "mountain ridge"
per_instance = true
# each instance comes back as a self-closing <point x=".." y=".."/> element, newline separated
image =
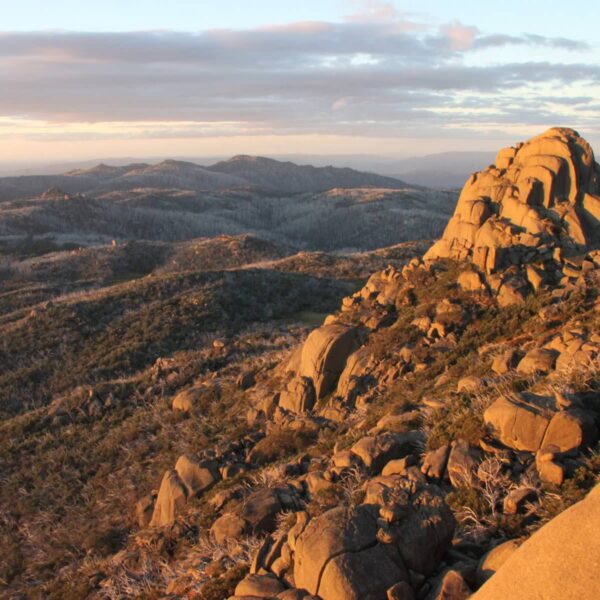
<point x="240" y="172"/>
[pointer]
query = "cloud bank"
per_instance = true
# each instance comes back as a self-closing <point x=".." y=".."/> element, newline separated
<point x="374" y="74"/>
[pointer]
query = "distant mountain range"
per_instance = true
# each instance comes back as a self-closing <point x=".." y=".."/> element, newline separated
<point x="240" y="172"/>
<point x="444" y="170"/>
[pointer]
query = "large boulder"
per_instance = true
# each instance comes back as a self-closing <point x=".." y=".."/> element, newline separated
<point x="324" y="355"/>
<point x="338" y="557"/>
<point x="531" y="422"/>
<point x="376" y="451"/>
<point x="517" y="423"/>
<point x="172" y="496"/>
<point x="561" y="561"/>
<point x="299" y="397"/>
<point x="197" y="476"/>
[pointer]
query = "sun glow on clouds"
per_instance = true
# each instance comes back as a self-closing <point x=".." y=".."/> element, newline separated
<point x="378" y="74"/>
<point x="47" y="130"/>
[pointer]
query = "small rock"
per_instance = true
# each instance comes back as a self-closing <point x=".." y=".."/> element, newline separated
<point x="434" y="463"/>
<point x="259" y="586"/>
<point x="515" y="500"/>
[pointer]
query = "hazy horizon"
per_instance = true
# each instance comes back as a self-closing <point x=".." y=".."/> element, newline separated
<point x="133" y="78"/>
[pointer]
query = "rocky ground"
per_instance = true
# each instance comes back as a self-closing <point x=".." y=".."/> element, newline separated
<point x="434" y="438"/>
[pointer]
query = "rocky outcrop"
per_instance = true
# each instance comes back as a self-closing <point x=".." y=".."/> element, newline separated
<point x="538" y="195"/>
<point x="55" y="193"/>
<point x="376" y="420"/>
<point x="560" y="561"/>
<point x="359" y="554"/>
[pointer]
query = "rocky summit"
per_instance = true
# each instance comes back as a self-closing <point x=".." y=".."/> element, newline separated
<point x="434" y="438"/>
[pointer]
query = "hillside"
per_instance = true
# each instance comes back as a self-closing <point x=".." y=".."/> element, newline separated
<point x="363" y="219"/>
<point x="231" y="418"/>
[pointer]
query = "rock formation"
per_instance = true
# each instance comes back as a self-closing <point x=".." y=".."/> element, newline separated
<point x="538" y="196"/>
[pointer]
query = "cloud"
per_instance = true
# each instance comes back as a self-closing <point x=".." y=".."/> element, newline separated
<point x="460" y="37"/>
<point x="372" y="11"/>
<point x="528" y="39"/>
<point x="364" y="76"/>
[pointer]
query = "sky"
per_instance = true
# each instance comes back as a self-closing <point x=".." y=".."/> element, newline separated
<point x="143" y="78"/>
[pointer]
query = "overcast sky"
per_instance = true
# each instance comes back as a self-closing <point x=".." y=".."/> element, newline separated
<point x="148" y="78"/>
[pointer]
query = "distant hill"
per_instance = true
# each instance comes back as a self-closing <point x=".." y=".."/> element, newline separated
<point x="237" y="173"/>
<point x="290" y="177"/>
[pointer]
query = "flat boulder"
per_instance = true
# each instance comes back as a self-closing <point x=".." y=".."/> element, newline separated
<point x="561" y="561"/>
<point x="530" y="422"/>
<point x="259" y="586"/>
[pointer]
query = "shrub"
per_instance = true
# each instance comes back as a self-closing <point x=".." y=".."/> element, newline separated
<point x="457" y="419"/>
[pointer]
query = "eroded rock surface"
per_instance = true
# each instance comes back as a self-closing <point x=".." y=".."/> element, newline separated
<point x="537" y="193"/>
